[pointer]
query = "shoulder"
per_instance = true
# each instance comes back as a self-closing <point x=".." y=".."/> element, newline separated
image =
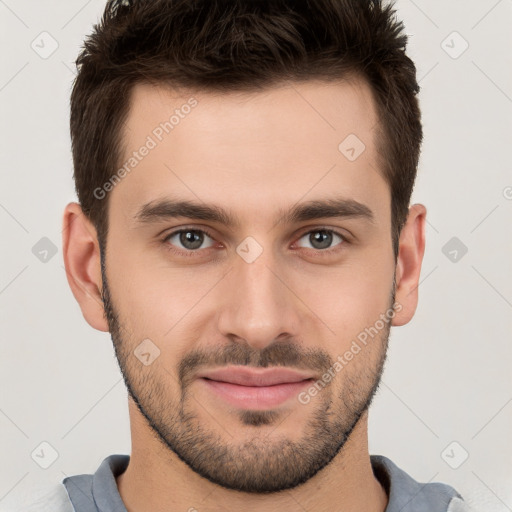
<point x="408" y="495"/>
<point x="50" y="498"/>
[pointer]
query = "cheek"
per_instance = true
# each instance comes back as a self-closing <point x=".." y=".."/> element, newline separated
<point x="155" y="300"/>
<point x="349" y="298"/>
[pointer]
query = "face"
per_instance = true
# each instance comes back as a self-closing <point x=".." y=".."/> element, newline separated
<point x="247" y="237"/>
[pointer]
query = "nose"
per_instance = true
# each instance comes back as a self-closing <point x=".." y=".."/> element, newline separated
<point x="258" y="304"/>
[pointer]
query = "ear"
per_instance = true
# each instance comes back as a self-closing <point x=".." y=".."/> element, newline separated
<point x="410" y="257"/>
<point x="83" y="264"/>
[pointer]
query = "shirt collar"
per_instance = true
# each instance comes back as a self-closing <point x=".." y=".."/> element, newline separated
<point x="404" y="493"/>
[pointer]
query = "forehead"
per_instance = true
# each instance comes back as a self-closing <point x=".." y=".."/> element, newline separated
<point x="332" y="108"/>
<point x="253" y="149"/>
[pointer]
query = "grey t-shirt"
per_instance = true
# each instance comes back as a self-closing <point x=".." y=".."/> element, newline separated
<point x="99" y="493"/>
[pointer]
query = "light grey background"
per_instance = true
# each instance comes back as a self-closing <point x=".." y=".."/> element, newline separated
<point x="448" y="376"/>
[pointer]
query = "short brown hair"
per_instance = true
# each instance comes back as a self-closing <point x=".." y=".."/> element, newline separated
<point x="241" y="45"/>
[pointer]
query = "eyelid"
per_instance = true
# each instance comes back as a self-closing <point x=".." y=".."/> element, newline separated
<point x="343" y="233"/>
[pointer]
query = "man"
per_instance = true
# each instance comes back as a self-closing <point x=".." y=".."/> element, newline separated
<point x="244" y="171"/>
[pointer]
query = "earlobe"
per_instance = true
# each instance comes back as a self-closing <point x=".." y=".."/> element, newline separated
<point x="408" y="269"/>
<point x="83" y="264"/>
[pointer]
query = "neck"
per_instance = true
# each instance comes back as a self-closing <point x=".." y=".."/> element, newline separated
<point x="157" y="480"/>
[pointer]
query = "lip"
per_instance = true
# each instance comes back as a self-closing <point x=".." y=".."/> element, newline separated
<point x="244" y="376"/>
<point x="256" y="389"/>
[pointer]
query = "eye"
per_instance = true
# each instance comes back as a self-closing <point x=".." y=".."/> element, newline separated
<point x="189" y="239"/>
<point x="321" y="239"/>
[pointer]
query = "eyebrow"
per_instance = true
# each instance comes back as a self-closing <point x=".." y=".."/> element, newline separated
<point x="165" y="209"/>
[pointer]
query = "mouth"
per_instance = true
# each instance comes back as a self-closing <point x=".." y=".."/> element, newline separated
<point x="256" y="389"/>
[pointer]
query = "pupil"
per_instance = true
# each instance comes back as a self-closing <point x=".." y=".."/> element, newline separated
<point x="323" y="237"/>
<point x="191" y="239"/>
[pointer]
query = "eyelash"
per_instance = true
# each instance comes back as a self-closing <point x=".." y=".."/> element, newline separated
<point x="193" y="253"/>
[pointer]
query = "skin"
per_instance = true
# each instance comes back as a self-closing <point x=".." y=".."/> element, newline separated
<point x="255" y="155"/>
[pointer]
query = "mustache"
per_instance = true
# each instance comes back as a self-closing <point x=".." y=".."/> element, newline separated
<point x="281" y="353"/>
